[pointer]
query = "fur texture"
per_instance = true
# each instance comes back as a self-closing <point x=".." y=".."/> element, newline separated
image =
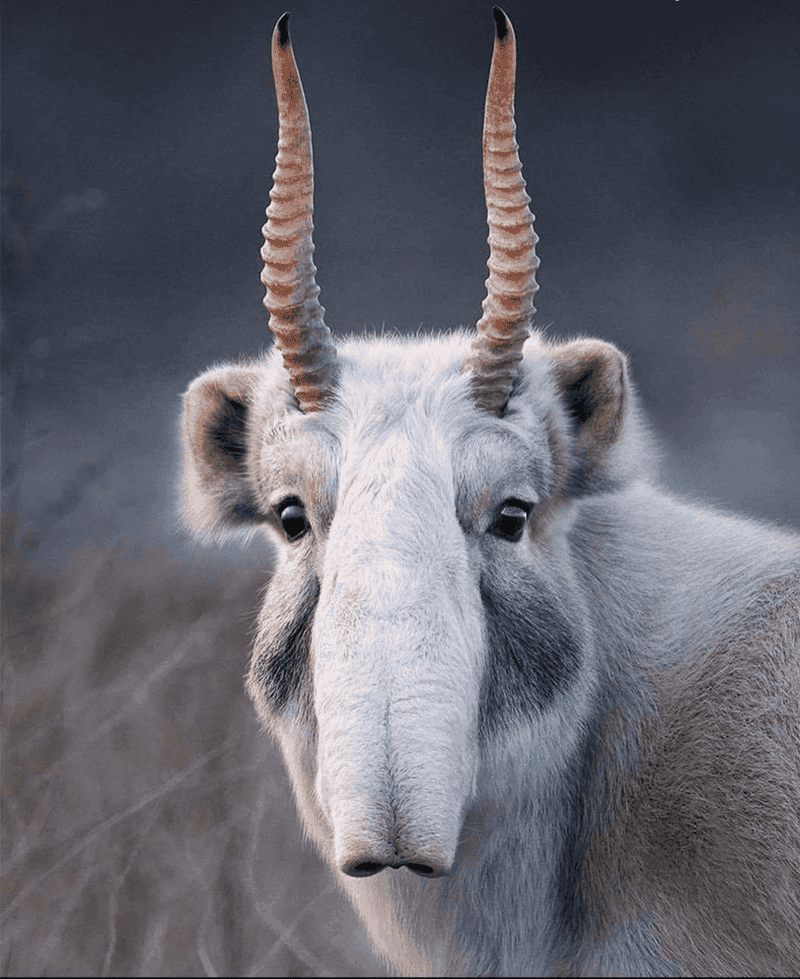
<point x="495" y="652"/>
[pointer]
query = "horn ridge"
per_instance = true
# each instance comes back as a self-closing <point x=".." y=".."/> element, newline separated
<point x="296" y="316"/>
<point x="508" y="307"/>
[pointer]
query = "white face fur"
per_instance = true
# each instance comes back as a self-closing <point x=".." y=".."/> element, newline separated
<point x="420" y="542"/>
<point x="454" y="651"/>
<point x="419" y="494"/>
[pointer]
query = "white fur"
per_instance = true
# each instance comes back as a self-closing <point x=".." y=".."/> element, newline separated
<point x="402" y="477"/>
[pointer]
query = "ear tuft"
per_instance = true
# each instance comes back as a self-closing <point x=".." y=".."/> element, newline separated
<point x="591" y="377"/>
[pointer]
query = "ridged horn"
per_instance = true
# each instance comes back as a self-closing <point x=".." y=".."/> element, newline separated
<point x="508" y="307"/>
<point x="296" y="316"/>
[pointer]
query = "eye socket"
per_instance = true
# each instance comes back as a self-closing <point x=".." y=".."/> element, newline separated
<point x="510" y="521"/>
<point x="293" y="518"/>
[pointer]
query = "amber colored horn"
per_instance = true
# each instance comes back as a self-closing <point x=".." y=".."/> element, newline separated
<point x="508" y="307"/>
<point x="296" y="316"/>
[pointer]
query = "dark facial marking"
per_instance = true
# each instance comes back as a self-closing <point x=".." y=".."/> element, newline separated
<point x="282" y="672"/>
<point x="533" y="653"/>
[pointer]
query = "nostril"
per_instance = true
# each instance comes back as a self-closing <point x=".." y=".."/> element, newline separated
<point x="424" y="870"/>
<point x="368" y="868"/>
<point x="363" y="868"/>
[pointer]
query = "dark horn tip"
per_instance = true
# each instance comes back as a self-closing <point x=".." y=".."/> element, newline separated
<point x="500" y="23"/>
<point x="282" y="28"/>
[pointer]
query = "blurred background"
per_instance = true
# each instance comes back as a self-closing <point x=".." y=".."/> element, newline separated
<point x="148" y="825"/>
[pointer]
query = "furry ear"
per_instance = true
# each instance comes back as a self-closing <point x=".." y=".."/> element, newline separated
<point x="216" y="486"/>
<point x="592" y="381"/>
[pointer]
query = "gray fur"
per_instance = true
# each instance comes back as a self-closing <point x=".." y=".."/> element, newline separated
<point x="540" y="717"/>
<point x="595" y="731"/>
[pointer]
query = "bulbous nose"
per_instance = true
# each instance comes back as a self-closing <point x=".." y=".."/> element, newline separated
<point x="365" y="867"/>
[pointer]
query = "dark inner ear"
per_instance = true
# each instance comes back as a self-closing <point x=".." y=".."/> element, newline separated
<point x="592" y="381"/>
<point x="227" y="429"/>
<point x="217" y="486"/>
<point x="226" y="438"/>
<point x="580" y="397"/>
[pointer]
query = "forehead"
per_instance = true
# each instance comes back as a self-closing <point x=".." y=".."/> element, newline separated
<point x="405" y="411"/>
<point x="502" y="460"/>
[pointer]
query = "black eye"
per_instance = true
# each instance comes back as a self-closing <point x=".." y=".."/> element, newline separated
<point x="293" y="518"/>
<point x="510" y="521"/>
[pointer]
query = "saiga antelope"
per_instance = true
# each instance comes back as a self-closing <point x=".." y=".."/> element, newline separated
<point x="562" y="706"/>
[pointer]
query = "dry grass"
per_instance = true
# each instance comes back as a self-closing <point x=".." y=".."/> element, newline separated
<point x="148" y="825"/>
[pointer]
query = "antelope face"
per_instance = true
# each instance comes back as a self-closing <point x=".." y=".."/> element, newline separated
<point x="419" y="494"/>
<point x="417" y="563"/>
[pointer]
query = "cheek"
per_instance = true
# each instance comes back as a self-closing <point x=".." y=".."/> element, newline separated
<point x="279" y="679"/>
<point x="535" y="649"/>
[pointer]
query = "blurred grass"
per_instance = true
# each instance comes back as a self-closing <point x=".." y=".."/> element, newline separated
<point x="148" y="824"/>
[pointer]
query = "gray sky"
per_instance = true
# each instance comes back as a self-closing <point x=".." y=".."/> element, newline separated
<point x="660" y="144"/>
